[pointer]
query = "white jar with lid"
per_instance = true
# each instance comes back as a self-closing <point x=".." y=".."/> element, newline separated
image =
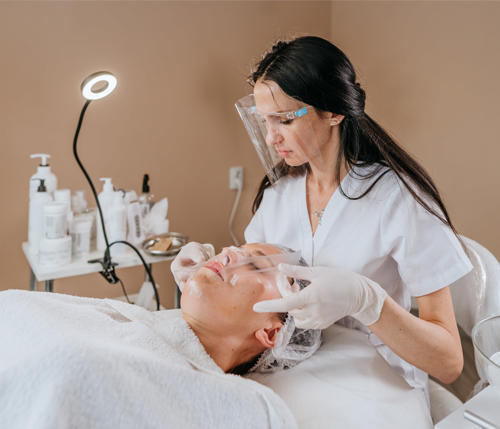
<point x="55" y="220"/>
<point x="80" y="236"/>
<point x="55" y="252"/>
<point x="63" y="196"/>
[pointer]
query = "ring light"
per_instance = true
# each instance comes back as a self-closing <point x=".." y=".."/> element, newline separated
<point x="96" y="78"/>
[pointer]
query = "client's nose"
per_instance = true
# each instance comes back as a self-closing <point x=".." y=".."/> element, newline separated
<point x="231" y="255"/>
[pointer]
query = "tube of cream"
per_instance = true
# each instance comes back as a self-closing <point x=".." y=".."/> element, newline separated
<point x="135" y="230"/>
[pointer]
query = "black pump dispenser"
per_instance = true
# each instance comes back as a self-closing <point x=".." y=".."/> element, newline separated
<point x="145" y="185"/>
<point x="41" y="187"/>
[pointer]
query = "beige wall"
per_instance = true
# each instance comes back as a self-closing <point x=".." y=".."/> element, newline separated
<point x="181" y="66"/>
<point x="431" y="72"/>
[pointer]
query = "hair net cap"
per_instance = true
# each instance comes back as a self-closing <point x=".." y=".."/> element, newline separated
<point x="292" y="345"/>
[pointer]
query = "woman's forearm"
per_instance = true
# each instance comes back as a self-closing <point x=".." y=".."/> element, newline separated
<point x="431" y="345"/>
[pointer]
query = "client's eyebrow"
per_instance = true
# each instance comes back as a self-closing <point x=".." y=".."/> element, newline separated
<point x="257" y="253"/>
<point x="268" y="258"/>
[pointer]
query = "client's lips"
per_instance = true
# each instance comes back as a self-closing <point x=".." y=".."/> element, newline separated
<point x="215" y="267"/>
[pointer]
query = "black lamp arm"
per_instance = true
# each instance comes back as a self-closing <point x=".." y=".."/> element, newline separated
<point x="107" y="256"/>
<point x="108" y="266"/>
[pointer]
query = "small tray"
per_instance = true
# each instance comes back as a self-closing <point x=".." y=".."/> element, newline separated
<point x="178" y="242"/>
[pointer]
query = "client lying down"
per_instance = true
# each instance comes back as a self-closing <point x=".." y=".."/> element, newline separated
<point x="81" y="362"/>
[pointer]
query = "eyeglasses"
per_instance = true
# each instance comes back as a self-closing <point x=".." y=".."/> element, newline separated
<point x="276" y="120"/>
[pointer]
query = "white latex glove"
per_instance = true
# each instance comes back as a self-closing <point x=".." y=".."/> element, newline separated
<point x="190" y="255"/>
<point x="332" y="295"/>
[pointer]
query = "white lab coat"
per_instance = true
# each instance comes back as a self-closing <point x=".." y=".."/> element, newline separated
<point x="385" y="236"/>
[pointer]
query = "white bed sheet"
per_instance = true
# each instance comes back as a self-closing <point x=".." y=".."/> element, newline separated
<point x="346" y="384"/>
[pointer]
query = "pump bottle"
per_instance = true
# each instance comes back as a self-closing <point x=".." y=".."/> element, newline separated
<point x="43" y="172"/>
<point x="35" y="227"/>
<point x="106" y="198"/>
<point x="146" y="200"/>
<point x="117" y="225"/>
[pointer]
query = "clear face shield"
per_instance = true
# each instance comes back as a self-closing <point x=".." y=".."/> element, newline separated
<point x="281" y="135"/>
<point x="235" y="267"/>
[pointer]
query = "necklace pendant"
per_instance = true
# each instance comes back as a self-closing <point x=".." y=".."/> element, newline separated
<point x="319" y="215"/>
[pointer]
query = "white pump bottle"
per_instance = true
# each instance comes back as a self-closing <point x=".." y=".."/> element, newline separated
<point x="106" y="198"/>
<point x="117" y="224"/>
<point x="43" y="172"/>
<point x="35" y="227"/>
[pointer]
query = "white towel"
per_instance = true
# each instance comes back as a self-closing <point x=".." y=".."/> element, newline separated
<point x="71" y="362"/>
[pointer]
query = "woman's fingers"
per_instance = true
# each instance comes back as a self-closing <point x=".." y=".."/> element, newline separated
<point x="282" y="305"/>
<point x="297" y="272"/>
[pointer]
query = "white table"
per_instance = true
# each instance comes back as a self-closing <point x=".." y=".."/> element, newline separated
<point x="485" y="404"/>
<point x="79" y="265"/>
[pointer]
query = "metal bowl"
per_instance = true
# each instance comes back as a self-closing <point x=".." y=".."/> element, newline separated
<point x="178" y="242"/>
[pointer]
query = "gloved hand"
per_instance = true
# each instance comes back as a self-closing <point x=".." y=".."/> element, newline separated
<point x="332" y="295"/>
<point x="191" y="254"/>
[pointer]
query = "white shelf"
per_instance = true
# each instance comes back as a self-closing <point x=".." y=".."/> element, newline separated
<point x="485" y="404"/>
<point x="80" y="265"/>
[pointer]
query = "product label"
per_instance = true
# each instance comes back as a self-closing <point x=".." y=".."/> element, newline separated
<point x="80" y="242"/>
<point x="137" y="223"/>
<point x="55" y="226"/>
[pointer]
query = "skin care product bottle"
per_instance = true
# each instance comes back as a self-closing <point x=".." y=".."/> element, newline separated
<point x="117" y="225"/>
<point x="35" y="228"/>
<point x="80" y="235"/>
<point x="146" y="295"/>
<point x="135" y="228"/>
<point x="106" y="198"/>
<point x="146" y="199"/>
<point x="64" y="196"/>
<point x="55" y="220"/>
<point x="43" y="172"/>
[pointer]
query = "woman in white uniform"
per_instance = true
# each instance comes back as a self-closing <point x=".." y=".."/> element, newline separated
<point x="366" y="216"/>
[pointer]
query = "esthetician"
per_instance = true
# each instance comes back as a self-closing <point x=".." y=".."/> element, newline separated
<point x="365" y="214"/>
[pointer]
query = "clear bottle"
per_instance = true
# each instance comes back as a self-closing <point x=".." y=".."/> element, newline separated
<point x="43" y="172"/>
<point x="146" y="199"/>
<point x="36" y="216"/>
<point x="106" y="198"/>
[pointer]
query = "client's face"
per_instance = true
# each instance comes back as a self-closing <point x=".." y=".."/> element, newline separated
<point x="222" y="293"/>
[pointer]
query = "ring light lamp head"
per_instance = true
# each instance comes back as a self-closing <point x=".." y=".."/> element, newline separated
<point x="110" y="85"/>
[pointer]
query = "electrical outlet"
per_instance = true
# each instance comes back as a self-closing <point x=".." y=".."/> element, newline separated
<point x="235" y="178"/>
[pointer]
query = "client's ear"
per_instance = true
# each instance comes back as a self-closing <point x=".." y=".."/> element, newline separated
<point x="267" y="336"/>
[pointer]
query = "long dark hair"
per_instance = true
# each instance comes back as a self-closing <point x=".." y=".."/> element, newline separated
<point x="315" y="72"/>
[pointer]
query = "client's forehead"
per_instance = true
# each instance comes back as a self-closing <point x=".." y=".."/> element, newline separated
<point x="261" y="249"/>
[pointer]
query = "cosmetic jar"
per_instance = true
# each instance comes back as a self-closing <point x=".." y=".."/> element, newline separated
<point x="80" y="236"/>
<point x="54" y="252"/>
<point x="55" y="220"/>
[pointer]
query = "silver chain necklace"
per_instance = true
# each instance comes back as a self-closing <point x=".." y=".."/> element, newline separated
<point x="319" y="214"/>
